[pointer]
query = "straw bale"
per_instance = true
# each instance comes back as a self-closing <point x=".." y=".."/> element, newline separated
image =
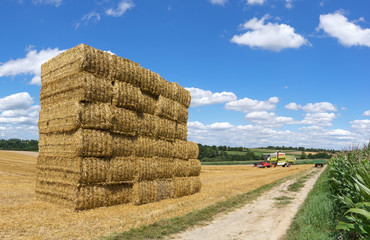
<point x="148" y="104"/>
<point x="145" y="147"/>
<point x="182" y="113"/>
<point x="56" y="176"/>
<point x="122" y="169"/>
<point x="78" y="87"/>
<point x="119" y="193"/>
<point x="147" y="125"/>
<point x="186" y="186"/>
<point x="123" y="145"/>
<point x="187" y="168"/>
<point x="181" y="131"/>
<point x="126" y="95"/>
<point x="60" y="190"/>
<point x="126" y="70"/>
<point x="69" y="116"/>
<point x="145" y="192"/>
<point x="154" y="168"/>
<point x="166" y="89"/>
<point x="179" y="149"/>
<point x="54" y="199"/>
<point x="83" y="142"/>
<point x="165" y="129"/>
<point x="181" y="95"/>
<point x="166" y="189"/>
<point x="149" y="81"/>
<point x="124" y="121"/>
<point x="166" y="108"/>
<point x="91" y="196"/>
<point x="192" y="150"/>
<point x="59" y="163"/>
<point x="194" y="167"/>
<point x="94" y="170"/>
<point x="163" y="148"/>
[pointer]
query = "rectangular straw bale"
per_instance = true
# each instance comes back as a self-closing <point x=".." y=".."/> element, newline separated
<point x="181" y="131"/>
<point x="122" y="169"/>
<point x="166" y="108"/>
<point x="186" y="186"/>
<point x="124" y="121"/>
<point x="56" y="199"/>
<point x="192" y="150"/>
<point x="154" y="168"/>
<point x="166" y="189"/>
<point x="59" y="163"/>
<point x="78" y="87"/>
<point x="119" y="193"/>
<point x="165" y="129"/>
<point x="182" y="113"/>
<point x="147" y="125"/>
<point x="181" y="95"/>
<point x="83" y="143"/>
<point x="123" y="145"/>
<point x="163" y="148"/>
<point x="56" y="176"/>
<point x="126" y="95"/>
<point x="149" y="81"/>
<point x="145" y="192"/>
<point x="126" y="71"/>
<point x="166" y="89"/>
<point x="187" y="168"/>
<point x="91" y="196"/>
<point x="145" y="147"/>
<point x="63" y="191"/>
<point x="94" y="170"/>
<point x="69" y="116"/>
<point x="179" y="149"/>
<point x="148" y="104"/>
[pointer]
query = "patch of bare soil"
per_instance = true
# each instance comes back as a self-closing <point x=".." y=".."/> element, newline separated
<point x="268" y="217"/>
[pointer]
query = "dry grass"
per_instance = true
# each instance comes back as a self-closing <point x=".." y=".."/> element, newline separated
<point x="22" y="217"/>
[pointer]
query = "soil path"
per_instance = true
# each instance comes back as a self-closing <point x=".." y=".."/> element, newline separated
<point x="264" y="218"/>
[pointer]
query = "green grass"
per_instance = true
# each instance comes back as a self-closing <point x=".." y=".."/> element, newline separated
<point x="228" y="163"/>
<point x="170" y="226"/>
<point x="283" y="201"/>
<point x="316" y="217"/>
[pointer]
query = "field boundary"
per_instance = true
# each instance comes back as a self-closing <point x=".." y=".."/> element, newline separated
<point x="174" y="225"/>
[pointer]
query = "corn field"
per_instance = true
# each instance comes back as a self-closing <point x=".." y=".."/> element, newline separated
<point x="350" y="182"/>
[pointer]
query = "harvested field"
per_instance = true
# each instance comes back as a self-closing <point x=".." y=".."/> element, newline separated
<point x="23" y="217"/>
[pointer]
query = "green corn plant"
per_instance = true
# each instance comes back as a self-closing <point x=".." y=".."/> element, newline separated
<point x="350" y="184"/>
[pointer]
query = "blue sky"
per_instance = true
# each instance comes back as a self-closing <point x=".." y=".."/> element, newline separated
<point x="260" y="72"/>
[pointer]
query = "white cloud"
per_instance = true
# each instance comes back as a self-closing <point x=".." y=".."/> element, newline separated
<point x="218" y="2"/>
<point x="21" y="100"/>
<point x="251" y="105"/>
<point x="312" y="107"/>
<point x="362" y="127"/>
<point x="366" y="113"/>
<point x="269" y="119"/>
<point x="93" y="17"/>
<point x="255" y="2"/>
<point x="270" y="36"/>
<point x="122" y="7"/>
<point x="200" y="97"/>
<point x="348" y="33"/>
<point x="258" y="135"/>
<point x="319" y="119"/>
<point x="288" y="3"/>
<point x="29" y="65"/>
<point x="52" y="2"/>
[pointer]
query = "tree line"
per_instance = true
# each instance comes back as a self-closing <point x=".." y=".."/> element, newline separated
<point x="19" y="145"/>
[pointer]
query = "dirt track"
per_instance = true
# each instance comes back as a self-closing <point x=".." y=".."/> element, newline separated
<point x="262" y="219"/>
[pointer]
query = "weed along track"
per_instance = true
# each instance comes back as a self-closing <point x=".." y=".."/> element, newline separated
<point x="268" y="217"/>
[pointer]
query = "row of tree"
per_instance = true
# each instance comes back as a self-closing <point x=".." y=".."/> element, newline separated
<point x="332" y="151"/>
<point x="19" y="145"/>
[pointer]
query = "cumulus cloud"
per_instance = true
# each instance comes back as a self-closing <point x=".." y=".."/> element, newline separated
<point x="366" y="113"/>
<point x="270" y="36"/>
<point x="21" y="100"/>
<point x="319" y="119"/>
<point x="200" y="97"/>
<point x="269" y="119"/>
<point x="255" y="2"/>
<point x="29" y="65"/>
<point x="312" y="107"/>
<point x="122" y="7"/>
<point x="251" y="105"/>
<point x="347" y="32"/>
<point x="258" y="135"/>
<point x="218" y="2"/>
<point x="52" y="2"/>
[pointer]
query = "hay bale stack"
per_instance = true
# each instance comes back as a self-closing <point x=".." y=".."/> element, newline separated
<point x="112" y="132"/>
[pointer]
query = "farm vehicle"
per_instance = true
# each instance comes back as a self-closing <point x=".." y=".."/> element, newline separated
<point x="276" y="159"/>
<point x="319" y="162"/>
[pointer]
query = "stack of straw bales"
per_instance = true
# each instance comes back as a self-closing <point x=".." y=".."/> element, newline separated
<point x="112" y="132"/>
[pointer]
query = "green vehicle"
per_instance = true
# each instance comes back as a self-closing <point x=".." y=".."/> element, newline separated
<point x="279" y="159"/>
<point x="319" y="162"/>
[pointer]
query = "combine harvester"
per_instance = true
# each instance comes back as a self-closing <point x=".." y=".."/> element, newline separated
<point x="276" y="159"/>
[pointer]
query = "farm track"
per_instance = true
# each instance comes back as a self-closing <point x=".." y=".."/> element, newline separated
<point x="264" y="218"/>
<point x="23" y="217"/>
